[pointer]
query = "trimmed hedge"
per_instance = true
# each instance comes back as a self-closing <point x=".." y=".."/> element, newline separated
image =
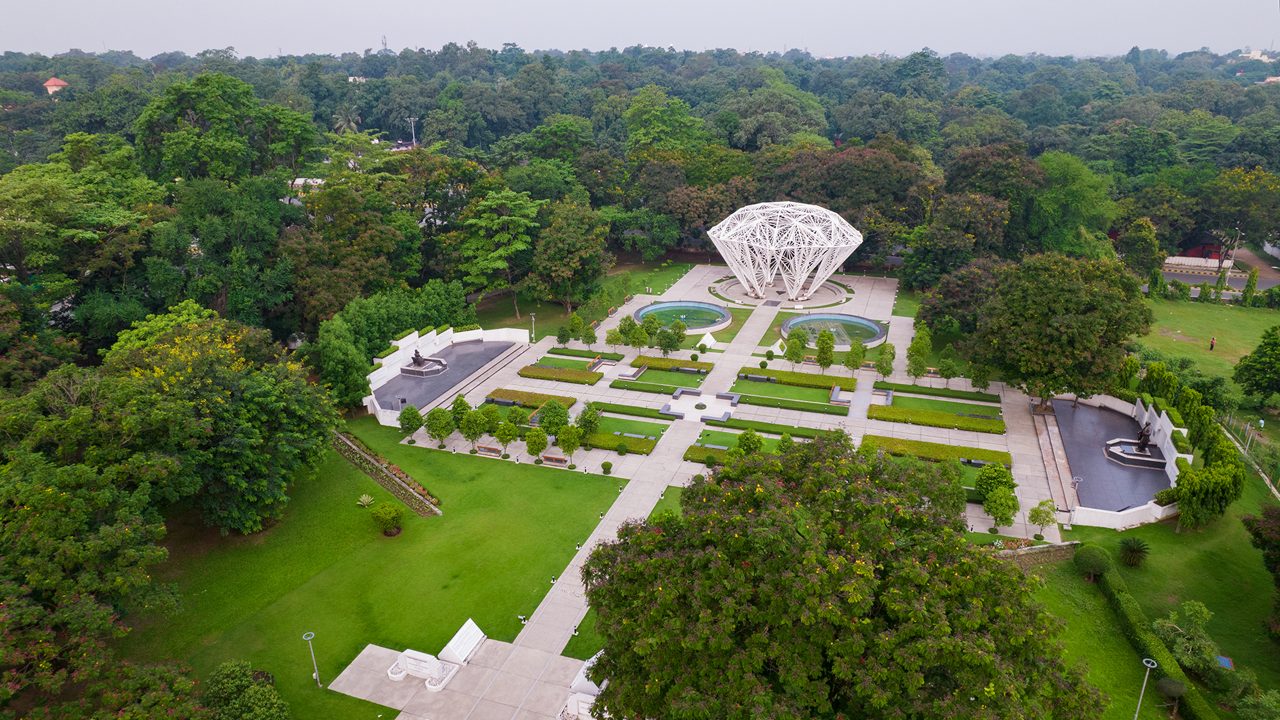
<point x="935" y="418"/>
<point x="800" y="379"/>
<point x="937" y="392"/>
<point x="936" y="451"/>
<point x="789" y="404"/>
<point x="630" y="410"/>
<point x="1137" y="628"/>
<point x="1165" y="406"/>
<point x="1124" y="394"/>
<point x="528" y="399"/>
<point x="698" y="454"/>
<point x="569" y="375"/>
<point x="1180" y="442"/>
<point x="386" y="352"/>
<point x="464" y="328"/>
<point x="661" y="363"/>
<point x="589" y="354"/>
<point x="609" y="441"/>
<point x="797" y="431"/>
<point x="643" y="387"/>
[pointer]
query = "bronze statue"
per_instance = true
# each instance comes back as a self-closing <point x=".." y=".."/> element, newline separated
<point x="418" y="360"/>
<point x="1144" y="437"/>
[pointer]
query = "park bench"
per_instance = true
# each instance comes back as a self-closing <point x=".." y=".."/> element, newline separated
<point x="555" y="459"/>
<point x="835" y="396"/>
<point x="490" y="450"/>
<point x="757" y="378"/>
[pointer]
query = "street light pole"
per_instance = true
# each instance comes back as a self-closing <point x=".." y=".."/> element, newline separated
<point x="533" y="322"/>
<point x="413" y="129"/>
<point x="315" y="669"/>
<point x="1150" y="665"/>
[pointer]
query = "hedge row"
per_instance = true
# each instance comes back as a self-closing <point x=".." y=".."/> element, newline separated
<point x="1175" y="417"/>
<point x="1137" y="628"/>
<point x="387" y="352"/>
<point x="661" y="363"/>
<point x="788" y="404"/>
<point x="1181" y="443"/>
<point x="527" y="399"/>
<point x="768" y="427"/>
<point x="465" y="328"/>
<point x="935" y="418"/>
<point x="407" y="489"/>
<point x="936" y="392"/>
<point x="589" y="354"/>
<point x="800" y="379"/>
<point x="609" y="441"/>
<point x="643" y="387"/>
<point x="699" y="454"/>
<point x="936" y="451"/>
<point x="630" y="410"/>
<point x="569" y="375"/>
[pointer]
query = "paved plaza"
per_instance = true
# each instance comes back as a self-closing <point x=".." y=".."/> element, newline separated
<point x="1037" y="470"/>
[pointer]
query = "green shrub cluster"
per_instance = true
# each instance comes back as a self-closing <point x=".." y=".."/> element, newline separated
<point x="936" y="392"/>
<point x="388" y="351"/>
<point x="1174" y="416"/>
<point x="630" y="410"/>
<point x="609" y="441"/>
<point x="523" y="398"/>
<point x="1180" y="442"/>
<point x="661" y="363"/>
<point x="643" y="387"/>
<point x="797" y="431"/>
<point x="1125" y="394"/>
<point x="465" y="328"/>
<point x="699" y="454"/>
<point x="800" y="379"/>
<point x="569" y="375"/>
<point x="789" y="404"/>
<point x="934" y="451"/>
<point x="935" y="418"/>
<point x="589" y="354"/>
<point x="1137" y="628"/>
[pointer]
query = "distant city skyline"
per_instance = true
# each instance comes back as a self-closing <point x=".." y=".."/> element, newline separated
<point x="265" y="28"/>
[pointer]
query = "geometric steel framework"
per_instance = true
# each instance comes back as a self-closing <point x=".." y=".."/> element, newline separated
<point x="794" y="240"/>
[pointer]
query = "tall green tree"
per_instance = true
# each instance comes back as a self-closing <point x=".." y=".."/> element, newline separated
<point x="498" y="233"/>
<point x="1258" y="373"/>
<point x="1139" y="249"/>
<point x="826" y="349"/>
<point x="822" y="583"/>
<point x="1073" y="210"/>
<point x="570" y="259"/>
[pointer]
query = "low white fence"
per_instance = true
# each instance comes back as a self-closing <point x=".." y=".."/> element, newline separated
<point x="1177" y="262"/>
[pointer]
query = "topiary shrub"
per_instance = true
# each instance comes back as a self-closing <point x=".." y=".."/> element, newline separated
<point x="1166" y="497"/>
<point x="694" y="357"/>
<point x="710" y="461"/>
<point x="621" y="448"/>
<point x="388" y="516"/>
<point x="764" y="364"/>
<point x="1133" y="551"/>
<point x="702" y="348"/>
<point x="769" y="354"/>
<point x="606" y="467"/>
<point x="537" y="461"/>
<point x="1092" y="561"/>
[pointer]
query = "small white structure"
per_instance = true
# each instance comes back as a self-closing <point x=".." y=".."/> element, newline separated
<point x="708" y="340"/>
<point x="434" y="673"/>
<point x="464" y="644"/>
<point x="794" y="240"/>
<point x="582" y="695"/>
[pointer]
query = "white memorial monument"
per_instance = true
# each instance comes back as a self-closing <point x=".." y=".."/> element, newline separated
<point x="794" y="240"/>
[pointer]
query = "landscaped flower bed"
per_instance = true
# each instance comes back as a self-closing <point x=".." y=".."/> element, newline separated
<point x="801" y="379"/>
<point x="570" y="375"/>
<point x="527" y="399"/>
<point x="630" y="410"/>
<point x="937" y="392"/>
<point x="407" y="490"/>
<point x="934" y="418"/>
<point x="589" y="354"/>
<point x="609" y="441"/>
<point x="661" y="363"/>
<point x="643" y="387"/>
<point x="935" y="451"/>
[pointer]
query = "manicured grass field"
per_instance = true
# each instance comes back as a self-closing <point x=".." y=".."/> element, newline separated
<point x="1183" y="329"/>
<point x="671" y="377"/>
<point x="563" y="362"/>
<point x="730" y="439"/>
<point x="774" y="333"/>
<point x="778" y="390"/>
<point x="609" y="425"/>
<point x="497" y="311"/>
<point x="1216" y="565"/>
<point x="723" y="337"/>
<point x="1092" y="636"/>
<point x="907" y="303"/>
<point x="947" y="406"/>
<point x="324" y="568"/>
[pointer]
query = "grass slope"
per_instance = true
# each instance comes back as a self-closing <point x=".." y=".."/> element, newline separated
<point x="1183" y="329"/>
<point x="324" y="568"/>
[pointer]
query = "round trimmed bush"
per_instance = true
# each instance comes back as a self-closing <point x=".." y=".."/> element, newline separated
<point x="700" y="406"/>
<point x="1092" y="561"/>
<point x="473" y="451"/>
<point x="537" y="461"/>
<point x="506" y="456"/>
<point x="993" y="530"/>
<point x="606" y="467"/>
<point x="572" y="466"/>
<point x="622" y="448"/>
<point x="769" y="354"/>
<point x="411" y="441"/>
<point x="764" y="364"/>
<point x="694" y="357"/>
<point x="1038" y="536"/>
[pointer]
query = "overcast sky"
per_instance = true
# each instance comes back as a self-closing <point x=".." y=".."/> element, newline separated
<point x="824" y="27"/>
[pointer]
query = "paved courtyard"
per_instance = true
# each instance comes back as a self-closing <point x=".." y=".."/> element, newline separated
<point x="552" y="624"/>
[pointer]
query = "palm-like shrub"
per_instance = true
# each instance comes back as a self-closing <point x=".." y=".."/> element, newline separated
<point x="1133" y="551"/>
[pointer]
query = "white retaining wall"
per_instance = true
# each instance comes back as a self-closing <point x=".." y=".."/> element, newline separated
<point x="1177" y="262"/>
<point x="1132" y="517"/>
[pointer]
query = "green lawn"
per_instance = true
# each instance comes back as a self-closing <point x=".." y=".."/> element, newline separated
<point x="505" y="531"/>
<point x="774" y="333"/>
<point x="730" y="439"/>
<point x="1092" y="636"/>
<point x="907" y="303"/>
<point x="587" y="643"/>
<point x="626" y="425"/>
<point x="723" y="337"/>
<point x="630" y="278"/>
<point x="946" y="406"/>
<point x="778" y="390"/>
<point x="671" y="377"/>
<point x="1217" y="566"/>
<point x="563" y="362"/>
<point x="1183" y="329"/>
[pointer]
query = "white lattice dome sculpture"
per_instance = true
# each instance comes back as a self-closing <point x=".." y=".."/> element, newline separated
<point x="794" y="240"/>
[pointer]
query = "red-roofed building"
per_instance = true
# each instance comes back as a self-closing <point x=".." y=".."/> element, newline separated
<point x="53" y="85"/>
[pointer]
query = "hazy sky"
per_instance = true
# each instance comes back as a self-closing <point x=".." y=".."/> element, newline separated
<point x="824" y="27"/>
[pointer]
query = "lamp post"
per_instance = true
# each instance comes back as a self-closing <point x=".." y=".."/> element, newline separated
<point x="1150" y="665"/>
<point x="533" y="324"/>
<point x="413" y="129"/>
<point x="315" y="669"/>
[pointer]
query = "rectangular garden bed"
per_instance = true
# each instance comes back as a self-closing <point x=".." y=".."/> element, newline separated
<point x="936" y="392"/>
<point x="528" y="399"/>
<point x="936" y="451"/>
<point x="580" y="377"/>
<point x="932" y="418"/>
<point x="778" y="390"/>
